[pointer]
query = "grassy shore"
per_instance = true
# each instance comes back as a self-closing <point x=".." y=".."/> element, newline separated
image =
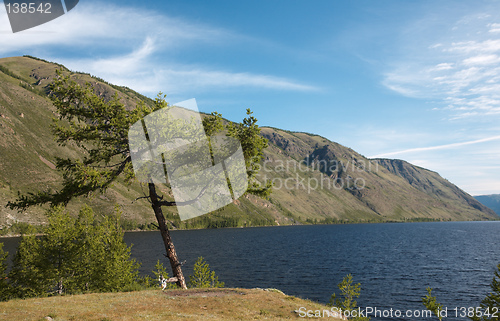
<point x="192" y="304"/>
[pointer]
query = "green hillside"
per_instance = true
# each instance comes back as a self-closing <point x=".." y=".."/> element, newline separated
<point x="349" y="187"/>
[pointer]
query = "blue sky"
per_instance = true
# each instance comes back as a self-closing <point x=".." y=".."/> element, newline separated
<point x="415" y="80"/>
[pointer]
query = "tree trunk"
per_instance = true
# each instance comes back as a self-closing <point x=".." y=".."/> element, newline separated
<point x="169" y="245"/>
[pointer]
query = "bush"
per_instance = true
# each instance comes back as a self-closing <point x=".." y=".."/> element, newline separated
<point x="161" y="270"/>
<point x="203" y="277"/>
<point x="73" y="256"/>
<point x="349" y="293"/>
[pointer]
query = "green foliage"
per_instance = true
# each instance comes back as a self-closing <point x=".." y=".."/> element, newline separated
<point x="73" y="256"/>
<point x="8" y="72"/>
<point x="253" y="145"/>
<point x="26" y="277"/>
<point x="431" y="304"/>
<point x="203" y="277"/>
<point x="4" y="285"/>
<point x="161" y="270"/>
<point x="491" y="302"/>
<point x="213" y="124"/>
<point x="349" y="293"/>
<point x="100" y="129"/>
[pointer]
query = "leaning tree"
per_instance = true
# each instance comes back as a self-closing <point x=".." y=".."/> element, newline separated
<point x="100" y="128"/>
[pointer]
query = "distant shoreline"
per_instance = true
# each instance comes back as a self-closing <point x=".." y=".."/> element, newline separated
<point x="241" y="227"/>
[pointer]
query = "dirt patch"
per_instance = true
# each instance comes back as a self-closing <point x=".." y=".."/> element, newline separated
<point x="203" y="293"/>
<point x="47" y="162"/>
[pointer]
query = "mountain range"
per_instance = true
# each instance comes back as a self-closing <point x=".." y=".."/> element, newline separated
<point x="315" y="180"/>
<point x="491" y="201"/>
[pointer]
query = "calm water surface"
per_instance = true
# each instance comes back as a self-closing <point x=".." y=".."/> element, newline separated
<point x="393" y="262"/>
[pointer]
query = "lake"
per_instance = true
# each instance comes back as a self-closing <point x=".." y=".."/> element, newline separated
<point x="393" y="262"/>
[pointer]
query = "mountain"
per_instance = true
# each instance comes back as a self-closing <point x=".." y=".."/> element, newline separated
<point x="316" y="180"/>
<point x="491" y="201"/>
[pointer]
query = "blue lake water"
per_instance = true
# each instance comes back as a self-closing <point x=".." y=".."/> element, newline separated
<point x="393" y="262"/>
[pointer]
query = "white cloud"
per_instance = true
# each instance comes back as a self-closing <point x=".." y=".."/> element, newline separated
<point x="443" y="66"/>
<point x="140" y="72"/>
<point x="440" y="147"/>
<point x="144" y="36"/>
<point x="482" y="60"/>
<point x="462" y="73"/>
<point x="494" y="27"/>
<point x="106" y="25"/>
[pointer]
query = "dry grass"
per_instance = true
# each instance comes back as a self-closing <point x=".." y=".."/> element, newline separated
<point x="193" y="304"/>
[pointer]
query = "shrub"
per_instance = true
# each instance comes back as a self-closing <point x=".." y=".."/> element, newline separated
<point x="73" y="256"/>
<point x="203" y="277"/>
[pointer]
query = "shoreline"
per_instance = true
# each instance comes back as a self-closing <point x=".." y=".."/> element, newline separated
<point x="242" y="227"/>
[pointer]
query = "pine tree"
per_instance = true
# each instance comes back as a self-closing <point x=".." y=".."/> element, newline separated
<point x="349" y="293"/>
<point x="160" y="270"/>
<point x="203" y="277"/>
<point x="430" y="302"/>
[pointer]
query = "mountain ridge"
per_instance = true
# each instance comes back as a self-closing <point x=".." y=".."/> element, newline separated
<point x="329" y="182"/>
<point x="492" y="201"/>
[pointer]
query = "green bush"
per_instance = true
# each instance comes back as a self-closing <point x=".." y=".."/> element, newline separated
<point x="203" y="277"/>
<point x="349" y="293"/>
<point x="73" y="256"/>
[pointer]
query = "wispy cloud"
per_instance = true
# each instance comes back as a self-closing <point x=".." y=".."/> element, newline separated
<point x="440" y="147"/>
<point x="106" y="26"/>
<point x="150" y="42"/>
<point x="463" y="72"/>
<point x="139" y="71"/>
<point x="472" y="165"/>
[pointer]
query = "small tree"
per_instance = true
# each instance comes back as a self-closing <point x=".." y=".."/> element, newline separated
<point x="431" y="304"/>
<point x="203" y="277"/>
<point x="349" y="293"/>
<point x="160" y="270"/>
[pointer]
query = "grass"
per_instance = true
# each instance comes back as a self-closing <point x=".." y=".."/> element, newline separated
<point x="192" y="304"/>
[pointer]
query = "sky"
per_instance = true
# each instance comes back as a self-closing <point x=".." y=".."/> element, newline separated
<point x="413" y="80"/>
